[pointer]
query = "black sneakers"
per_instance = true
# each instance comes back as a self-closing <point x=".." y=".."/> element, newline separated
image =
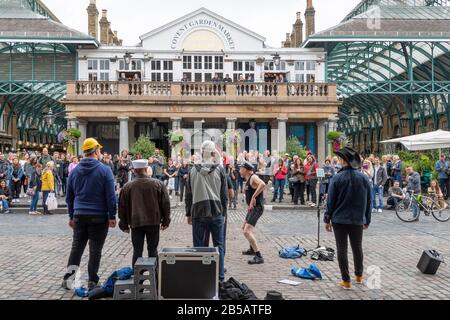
<point x="256" y="260"/>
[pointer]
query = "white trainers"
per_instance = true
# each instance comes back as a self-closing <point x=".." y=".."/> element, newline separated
<point x="32" y="213"/>
<point x="380" y="210"/>
<point x="374" y="210"/>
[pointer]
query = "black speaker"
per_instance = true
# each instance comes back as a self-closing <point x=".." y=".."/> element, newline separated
<point x="430" y="261"/>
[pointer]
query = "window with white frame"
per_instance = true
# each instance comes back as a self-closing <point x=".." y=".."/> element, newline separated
<point x="135" y="65"/>
<point x="161" y="70"/>
<point x="202" y="68"/>
<point x="305" y="71"/>
<point x="98" y="70"/>
<point x="246" y="69"/>
<point x="270" y="66"/>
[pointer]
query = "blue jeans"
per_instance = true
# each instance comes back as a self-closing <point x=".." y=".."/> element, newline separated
<point x="415" y="208"/>
<point x="201" y="227"/>
<point x="279" y="189"/>
<point x="379" y="190"/>
<point x="34" y="201"/>
<point x="5" y="204"/>
<point x="44" y="200"/>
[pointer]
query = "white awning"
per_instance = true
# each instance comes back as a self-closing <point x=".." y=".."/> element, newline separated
<point x="426" y="141"/>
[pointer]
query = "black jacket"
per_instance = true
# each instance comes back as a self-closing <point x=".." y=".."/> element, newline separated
<point x="349" y="198"/>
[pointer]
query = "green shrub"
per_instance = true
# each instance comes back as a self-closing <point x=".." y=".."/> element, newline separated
<point x="144" y="146"/>
<point x="293" y="147"/>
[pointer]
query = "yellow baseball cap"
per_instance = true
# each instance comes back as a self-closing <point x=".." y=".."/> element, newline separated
<point x="90" y="144"/>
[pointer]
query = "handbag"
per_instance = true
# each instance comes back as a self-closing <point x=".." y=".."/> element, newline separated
<point x="31" y="192"/>
<point x="51" y="202"/>
<point x="294" y="179"/>
<point x="171" y="184"/>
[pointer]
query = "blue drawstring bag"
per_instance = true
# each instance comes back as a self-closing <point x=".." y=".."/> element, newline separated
<point x="122" y="274"/>
<point x="292" y="252"/>
<point x="312" y="273"/>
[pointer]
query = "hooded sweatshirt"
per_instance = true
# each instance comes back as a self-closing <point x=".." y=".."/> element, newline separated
<point x="91" y="190"/>
<point x="206" y="191"/>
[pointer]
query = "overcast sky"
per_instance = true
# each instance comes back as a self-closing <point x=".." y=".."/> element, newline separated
<point x="269" y="18"/>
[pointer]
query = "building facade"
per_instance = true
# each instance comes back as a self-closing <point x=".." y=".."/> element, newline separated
<point x="202" y="68"/>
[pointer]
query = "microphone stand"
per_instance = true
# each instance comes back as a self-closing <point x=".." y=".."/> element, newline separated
<point x="318" y="215"/>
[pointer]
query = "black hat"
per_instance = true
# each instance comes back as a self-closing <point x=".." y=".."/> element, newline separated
<point x="351" y="156"/>
<point x="273" y="295"/>
<point x="248" y="165"/>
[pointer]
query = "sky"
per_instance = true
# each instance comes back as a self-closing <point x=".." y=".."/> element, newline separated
<point x="269" y="18"/>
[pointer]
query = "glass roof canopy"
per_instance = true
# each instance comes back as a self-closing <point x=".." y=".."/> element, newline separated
<point x="385" y="51"/>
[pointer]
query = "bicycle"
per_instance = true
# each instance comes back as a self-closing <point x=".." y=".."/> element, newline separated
<point x="439" y="209"/>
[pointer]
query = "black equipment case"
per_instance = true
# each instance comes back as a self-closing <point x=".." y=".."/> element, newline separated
<point x="188" y="274"/>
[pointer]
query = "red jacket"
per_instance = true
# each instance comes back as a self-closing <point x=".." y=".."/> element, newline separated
<point x="280" y="175"/>
<point x="313" y="171"/>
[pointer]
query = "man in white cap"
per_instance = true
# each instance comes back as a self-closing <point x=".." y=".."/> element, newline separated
<point x="206" y="201"/>
<point x="144" y="207"/>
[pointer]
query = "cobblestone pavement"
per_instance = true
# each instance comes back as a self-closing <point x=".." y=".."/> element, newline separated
<point x="34" y="251"/>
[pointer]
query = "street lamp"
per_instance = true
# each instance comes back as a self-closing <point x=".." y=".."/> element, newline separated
<point x="127" y="57"/>
<point x="276" y="59"/>
<point x="50" y="118"/>
<point x="404" y="121"/>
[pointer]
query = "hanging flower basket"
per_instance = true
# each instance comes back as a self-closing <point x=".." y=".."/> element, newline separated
<point x="175" y="137"/>
<point x="337" y="139"/>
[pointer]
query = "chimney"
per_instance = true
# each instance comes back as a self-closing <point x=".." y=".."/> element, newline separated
<point x="310" y="14"/>
<point x="92" y="19"/>
<point x="116" y="38"/>
<point x="287" y="43"/>
<point x="293" y="38"/>
<point x="110" y="35"/>
<point x="298" y="30"/>
<point x="104" y="28"/>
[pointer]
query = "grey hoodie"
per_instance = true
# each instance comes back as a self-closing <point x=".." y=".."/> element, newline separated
<point x="206" y="191"/>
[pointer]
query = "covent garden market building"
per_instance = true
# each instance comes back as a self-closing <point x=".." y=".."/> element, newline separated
<point x="382" y="72"/>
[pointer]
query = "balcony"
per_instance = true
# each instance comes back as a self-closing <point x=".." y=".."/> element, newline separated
<point x="146" y="100"/>
<point x="201" y="91"/>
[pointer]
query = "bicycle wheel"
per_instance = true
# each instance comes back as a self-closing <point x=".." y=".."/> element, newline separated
<point x="440" y="210"/>
<point x="404" y="211"/>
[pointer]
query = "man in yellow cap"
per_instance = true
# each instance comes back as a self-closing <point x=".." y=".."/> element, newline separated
<point x="91" y="201"/>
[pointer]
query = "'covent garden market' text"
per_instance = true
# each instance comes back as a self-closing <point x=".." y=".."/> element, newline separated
<point x="199" y="23"/>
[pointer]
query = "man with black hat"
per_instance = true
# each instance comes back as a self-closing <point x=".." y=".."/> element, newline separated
<point x="144" y="207"/>
<point x="348" y="212"/>
<point x="254" y="189"/>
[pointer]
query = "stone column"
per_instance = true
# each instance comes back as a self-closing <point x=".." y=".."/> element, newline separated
<point x="231" y="123"/>
<point x="131" y="132"/>
<point x="124" y="140"/>
<point x="282" y="133"/>
<point x="71" y="122"/>
<point x="82" y="126"/>
<point x="321" y="141"/>
<point x="176" y="123"/>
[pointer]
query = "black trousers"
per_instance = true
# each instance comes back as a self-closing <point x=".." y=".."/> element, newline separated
<point x="299" y="192"/>
<point x="342" y="233"/>
<point x="182" y="188"/>
<point x="93" y="229"/>
<point x="15" y="189"/>
<point x="138" y="236"/>
<point x="313" y="190"/>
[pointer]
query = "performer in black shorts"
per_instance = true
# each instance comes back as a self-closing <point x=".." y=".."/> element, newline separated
<point x="254" y="189"/>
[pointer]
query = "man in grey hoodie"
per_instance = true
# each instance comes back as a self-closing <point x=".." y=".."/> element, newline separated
<point x="206" y="201"/>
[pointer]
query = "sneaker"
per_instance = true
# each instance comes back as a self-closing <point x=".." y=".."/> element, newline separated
<point x="380" y="210"/>
<point x="92" y="285"/>
<point x="359" y="280"/>
<point x="38" y="213"/>
<point x="256" y="260"/>
<point x="7" y="211"/>
<point x="249" y="252"/>
<point x="32" y="213"/>
<point x="346" y="285"/>
<point x="374" y="210"/>
<point x="65" y="284"/>
<point x="312" y="205"/>
<point x="17" y="200"/>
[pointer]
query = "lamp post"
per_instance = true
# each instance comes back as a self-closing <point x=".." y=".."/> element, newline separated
<point x="276" y="59"/>
<point x="404" y="121"/>
<point x="127" y="57"/>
